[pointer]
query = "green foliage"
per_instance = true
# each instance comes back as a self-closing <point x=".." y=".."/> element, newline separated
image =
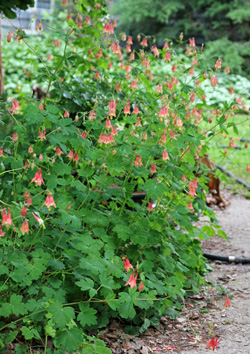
<point x="8" y="8"/>
<point x="74" y="160"/>
<point x="223" y="26"/>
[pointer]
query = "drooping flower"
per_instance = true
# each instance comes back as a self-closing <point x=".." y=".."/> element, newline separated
<point x="49" y="202"/>
<point x="155" y="51"/>
<point x="92" y="115"/>
<point x="227" y="70"/>
<point x="248" y="169"/>
<point x="40" y="107"/>
<point x="227" y="301"/>
<point x="40" y="221"/>
<point x="213" y="80"/>
<point x="127" y="108"/>
<point x="217" y="65"/>
<point x="108" y="123"/>
<point x="192" y="42"/>
<point x="144" y="42"/>
<point x="192" y="188"/>
<point x="132" y="280"/>
<point x="24" y="211"/>
<point x="136" y="110"/>
<point x="76" y="158"/>
<point x="30" y="149"/>
<point x="138" y="161"/>
<point x="130" y="40"/>
<point x="38" y="179"/>
<point x="66" y="114"/>
<point x="112" y="108"/>
<point x="183" y="178"/>
<point x="164" y="112"/>
<point x="58" y="151"/>
<point x="108" y="28"/>
<point x="42" y="135"/>
<point x="213" y="343"/>
<point x="133" y="85"/>
<point x="165" y="155"/>
<point x="153" y="169"/>
<point x="127" y="264"/>
<point x="15" y="107"/>
<point x="150" y="205"/>
<point x="141" y="286"/>
<point x="14" y="136"/>
<point x="159" y="89"/>
<point x="1" y="151"/>
<point x="25" y="227"/>
<point x="1" y="232"/>
<point x="6" y="218"/>
<point x="231" y="145"/>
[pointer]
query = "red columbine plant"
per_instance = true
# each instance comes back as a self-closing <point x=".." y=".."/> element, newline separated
<point x="49" y="202"/>
<point x="25" y="227"/>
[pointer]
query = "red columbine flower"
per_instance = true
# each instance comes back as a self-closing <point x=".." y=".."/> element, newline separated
<point x="6" y="218"/>
<point x="112" y="108"/>
<point x="15" y="106"/>
<point x="136" y="111"/>
<point x="165" y="155"/>
<point x="155" y="51"/>
<point x="144" y="42"/>
<point x="108" y="123"/>
<point x="38" y="178"/>
<point x="133" y="85"/>
<point x="92" y="115"/>
<point x="163" y="112"/>
<point x="49" y="201"/>
<point x="1" y="232"/>
<point x="153" y="169"/>
<point x="25" y="227"/>
<point x="213" y="343"/>
<point x="40" y="107"/>
<point x="130" y="40"/>
<point x="192" y="188"/>
<point x="66" y="114"/>
<point x="231" y="144"/>
<point x="227" y="301"/>
<point x="150" y="206"/>
<point x="108" y="28"/>
<point x="40" y="221"/>
<point x="42" y="135"/>
<point x="1" y="151"/>
<point x="183" y="178"/>
<point x="24" y="211"/>
<point x="58" y="151"/>
<point x="213" y="80"/>
<point x="192" y="42"/>
<point x="132" y="280"/>
<point x="141" y="286"/>
<point x="248" y="169"/>
<point x="76" y="157"/>
<point x="217" y="65"/>
<point x="138" y="161"/>
<point x="127" y="108"/>
<point x="127" y="264"/>
<point x="14" y="137"/>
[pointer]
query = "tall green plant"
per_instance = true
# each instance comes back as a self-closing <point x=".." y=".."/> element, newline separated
<point x="76" y="248"/>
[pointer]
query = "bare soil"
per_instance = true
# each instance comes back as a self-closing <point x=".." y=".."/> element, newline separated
<point x="205" y="315"/>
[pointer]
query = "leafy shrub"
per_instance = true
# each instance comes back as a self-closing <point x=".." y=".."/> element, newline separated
<point x="74" y="241"/>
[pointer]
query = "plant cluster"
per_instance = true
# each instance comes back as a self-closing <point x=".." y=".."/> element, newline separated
<point x="77" y="249"/>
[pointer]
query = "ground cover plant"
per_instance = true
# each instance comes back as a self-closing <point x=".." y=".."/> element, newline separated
<point x="76" y="247"/>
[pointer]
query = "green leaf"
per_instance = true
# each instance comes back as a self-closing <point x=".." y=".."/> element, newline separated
<point x="87" y="316"/>
<point x="85" y="284"/>
<point x="61" y="315"/>
<point x="222" y="234"/>
<point x="68" y="339"/>
<point x="14" y="307"/>
<point x="126" y="306"/>
<point x="29" y="333"/>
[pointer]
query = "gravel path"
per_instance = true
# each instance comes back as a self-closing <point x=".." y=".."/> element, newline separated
<point x="232" y="324"/>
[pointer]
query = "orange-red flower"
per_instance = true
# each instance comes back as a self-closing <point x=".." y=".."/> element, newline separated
<point x="213" y="343"/>
<point x="49" y="202"/>
<point x="227" y="301"/>
<point x="132" y="280"/>
<point x="25" y="227"/>
<point x="6" y="218"/>
<point x="38" y="179"/>
<point x="127" y="264"/>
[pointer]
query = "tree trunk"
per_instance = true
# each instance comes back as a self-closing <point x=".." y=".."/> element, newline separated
<point x="1" y="62"/>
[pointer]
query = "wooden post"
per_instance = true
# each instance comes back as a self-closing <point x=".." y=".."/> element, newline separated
<point x="1" y="62"/>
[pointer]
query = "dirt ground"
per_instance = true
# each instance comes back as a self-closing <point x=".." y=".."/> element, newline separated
<point x="205" y="315"/>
